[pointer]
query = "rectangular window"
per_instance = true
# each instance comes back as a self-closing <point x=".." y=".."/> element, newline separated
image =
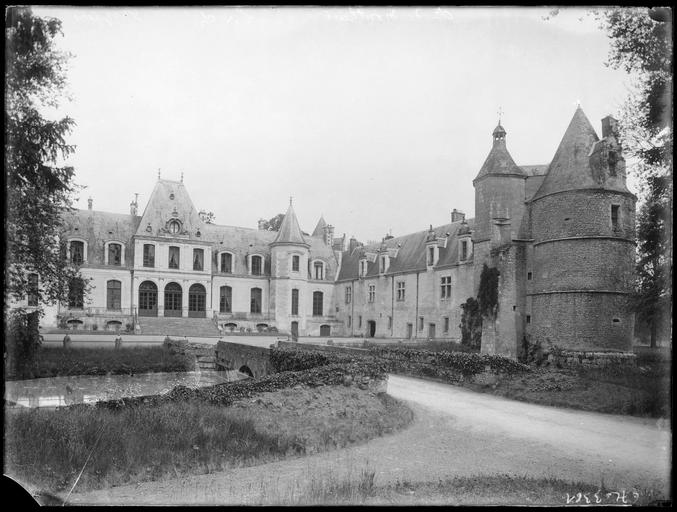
<point x="318" y="307"/>
<point x="198" y="259"/>
<point x="363" y="268"/>
<point x="529" y="275"/>
<point x="76" y="293"/>
<point x="226" y="263"/>
<point x="114" y="295"/>
<point x="420" y="323"/>
<point x="256" y="265"/>
<point x="372" y="293"/>
<point x="32" y="290"/>
<point x="528" y="319"/>
<point x="294" y="302"/>
<point x="400" y="290"/>
<point x="615" y="210"/>
<point x="349" y="294"/>
<point x="431" y="256"/>
<point x="359" y="324"/>
<point x="350" y="321"/>
<point x="390" y="322"/>
<point x="226" y="299"/>
<point x="319" y="270"/>
<point x="255" y="306"/>
<point x="114" y="254"/>
<point x="295" y="263"/>
<point x="174" y="253"/>
<point x="148" y="255"/>
<point x="446" y="324"/>
<point x="464" y="250"/>
<point x="77" y="252"/>
<point x="446" y="287"/>
<point x="384" y="263"/>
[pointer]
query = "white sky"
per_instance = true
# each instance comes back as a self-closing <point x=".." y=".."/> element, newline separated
<point x="377" y="118"/>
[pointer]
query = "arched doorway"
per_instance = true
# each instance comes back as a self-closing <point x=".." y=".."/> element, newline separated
<point x="245" y="369"/>
<point x="197" y="299"/>
<point x="173" y="299"/>
<point x="148" y="299"/>
<point x="325" y="330"/>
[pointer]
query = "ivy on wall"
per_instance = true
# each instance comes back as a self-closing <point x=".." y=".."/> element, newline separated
<point x="471" y="323"/>
<point x="487" y="295"/>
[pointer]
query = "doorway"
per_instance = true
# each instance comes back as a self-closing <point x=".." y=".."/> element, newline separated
<point x="371" y="328"/>
<point x="431" y="331"/>
<point x="410" y="331"/>
<point x="325" y="330"/>
<point x="294" y="331"/>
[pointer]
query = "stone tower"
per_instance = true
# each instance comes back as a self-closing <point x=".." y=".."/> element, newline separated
<point x="583" y="222"/>
<point x="499" y="195"/>
<point x="289" y="254"/>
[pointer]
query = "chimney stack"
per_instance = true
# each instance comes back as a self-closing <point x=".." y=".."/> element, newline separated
<point x="609" y="125"/>
<point x="353" y="244"/>
<point x="329" y="235"/>
<point x="90" y="202"/>
<point x="457" y="215"/>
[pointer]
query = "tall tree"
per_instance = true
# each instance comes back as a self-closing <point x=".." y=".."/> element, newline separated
<point x="39" y="187"/>
<point x="641" y="44"/>
<point x="274" y="223"/>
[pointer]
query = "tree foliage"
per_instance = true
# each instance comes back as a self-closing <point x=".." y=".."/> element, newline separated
<point x="39" y="187"/>
<point x="207" y="217"/>
<point x="641" y="44"/>
<point x="487" y="294"/>
<point x="274" y="223"/>
<point x="471" y="323"/>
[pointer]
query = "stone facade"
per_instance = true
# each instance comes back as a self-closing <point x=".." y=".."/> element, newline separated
<point x="561" y="236"/>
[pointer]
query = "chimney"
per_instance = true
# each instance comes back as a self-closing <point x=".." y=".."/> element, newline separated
<point x="329" y="234"/>
<point x="457" y="215"/>
<point x="134" y="205"/>
<point x="261" y="224"/>
<point x="609" y="125"/>
<point x="90" y="202"/>
<point x="353" y="244"/>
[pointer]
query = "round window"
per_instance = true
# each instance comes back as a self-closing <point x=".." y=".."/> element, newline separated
<point x="174" y="227"/>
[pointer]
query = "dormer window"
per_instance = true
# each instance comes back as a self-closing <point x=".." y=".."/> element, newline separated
<point x="464" y="250"/>
<point x="226" y="263"/>
<point x="77" y="252"/>
<point x="318" y="270"/>
<point x="432" y="255"/>
<point x="384" y="263"/>
<point x="114" y="254"/>
<point x="256" y="263"/>
<point x="363" y="268"/>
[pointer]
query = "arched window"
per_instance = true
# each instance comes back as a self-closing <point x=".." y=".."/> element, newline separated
<point x="257" y="265"/>
<point x="226" y="299"/>
<point x="76" y="293"/>
<point x="77" y="251"/>
<point x="317" y="303"/>
<point x="318" y="270"/>
<point x="173" y="299"/>
<point x="197" y="300"/>
<point x="255" y="302"/>
<point x="148" y="298"/>
<point x="226" y="263"/>
<point x="114" y="295"/>
<point x="294" y="302"/>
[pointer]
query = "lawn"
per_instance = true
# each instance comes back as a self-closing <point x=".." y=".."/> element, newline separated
<point x="49" y="448"/>
<point x="61" y="362"/>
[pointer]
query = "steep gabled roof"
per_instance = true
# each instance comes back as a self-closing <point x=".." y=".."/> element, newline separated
<point x="290" y="231"/>
<point x="319" y="229"/>
<point x="169" y="200"/>
<point x="570" y="167"/>
<point x="499" y="162"/>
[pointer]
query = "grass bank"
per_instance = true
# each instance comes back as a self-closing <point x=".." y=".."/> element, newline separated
<point x="48" y="448"/>
<point x="497" y="490"/>
<point x="62" y="362"/>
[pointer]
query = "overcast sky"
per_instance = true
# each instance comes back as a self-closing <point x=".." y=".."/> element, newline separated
<point x="377" y="118"/>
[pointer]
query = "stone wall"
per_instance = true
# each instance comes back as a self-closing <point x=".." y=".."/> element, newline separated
<point x="235" y="356"/>
<point x="576" y="359"/>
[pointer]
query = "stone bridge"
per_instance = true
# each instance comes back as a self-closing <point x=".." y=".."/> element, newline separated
<point x="251" y="360"/>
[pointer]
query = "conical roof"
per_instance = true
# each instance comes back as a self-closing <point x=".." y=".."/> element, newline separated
<point x="570" y="167"/>
<point x="499" y="162"/>
<point x="319" y="229"/>
<point x="290" y="231"/>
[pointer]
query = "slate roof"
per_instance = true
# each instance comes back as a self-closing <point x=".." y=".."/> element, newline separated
<point x="160" y="209"/>
<point x="499" y="161"/>
<point x="570" y="167"/>
<point x="319" y="228"/>
<point x="98" y="227"/>
<point x="290" y="231"/>
<point x="411" y="255"/>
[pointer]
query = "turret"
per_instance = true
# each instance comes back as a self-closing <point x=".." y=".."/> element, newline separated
<point x="583" y="219"/>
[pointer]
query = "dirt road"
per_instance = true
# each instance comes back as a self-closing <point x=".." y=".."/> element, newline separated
<point x="456" y="433"/>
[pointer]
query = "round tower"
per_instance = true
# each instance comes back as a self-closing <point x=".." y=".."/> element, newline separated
<point x="499" y="194"/>
<point x="583" y="226"/>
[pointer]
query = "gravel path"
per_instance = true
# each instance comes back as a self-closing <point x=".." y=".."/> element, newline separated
<point x="456" y="433"/>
